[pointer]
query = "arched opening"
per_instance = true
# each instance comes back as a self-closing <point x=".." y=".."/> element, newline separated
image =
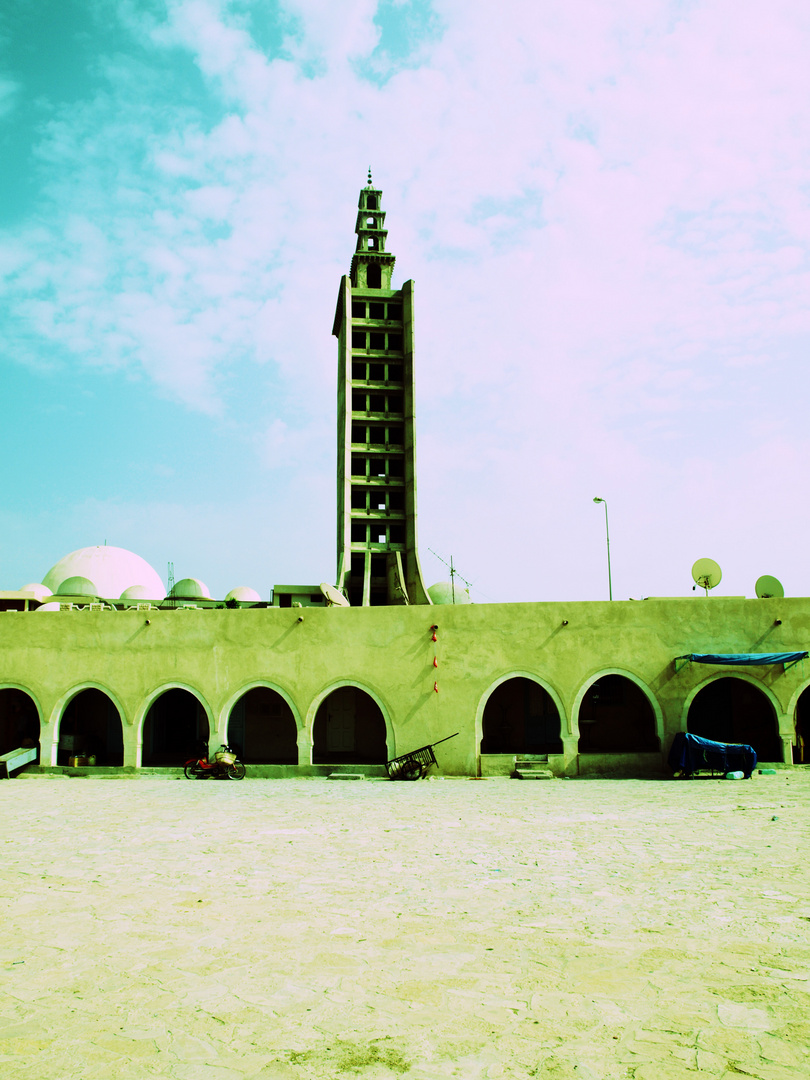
<point x="374" y="276"/>
<point x="801" y="749"/>
<point x="175" y="729"/>
<point x="616" y="717"/>
<point x="19" y="721"/>
<point x="90" y="730"/>
<point x="349" y="728"/>
<point x="262" y="729"/>
<point x="520" y="717"/>
<point x="371" y="202"/>
<point x="732" y="710"/>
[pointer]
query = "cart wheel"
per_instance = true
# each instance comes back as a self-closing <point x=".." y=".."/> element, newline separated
<point x="412" y="771"/>
<point x="236" y="771"/>
<point x="190" y="770"/>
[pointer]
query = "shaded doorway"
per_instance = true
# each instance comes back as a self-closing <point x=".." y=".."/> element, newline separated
<point x="616" y="717"/>
<point x="520" y="717"/>
<point x="262" y="729"/>
<point x="19" y="721"/>
<point x="90" y="729"/>
<point x="175" y="729"/>
<point x="801" y="748"/>
<point x="349" y="729"/>
<point x="733" y="711"/>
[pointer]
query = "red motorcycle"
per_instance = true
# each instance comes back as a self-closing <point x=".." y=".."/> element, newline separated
<point x="225" y="766"/>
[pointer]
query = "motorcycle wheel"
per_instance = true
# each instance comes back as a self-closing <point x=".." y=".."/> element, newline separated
<point x="190" y="770"/>
<point x="236" y="771"/>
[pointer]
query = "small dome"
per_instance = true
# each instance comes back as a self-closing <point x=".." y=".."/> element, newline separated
<point x="190" y="588"/>
<point x="244" y="594"/>
<point x="52" y="606"/>
<point x="443" y="592"/>
<point x="39" y="591"/>
<point x="112" y="569"/>
<point x="77" y="586"/>
<point x="137" y="592"/>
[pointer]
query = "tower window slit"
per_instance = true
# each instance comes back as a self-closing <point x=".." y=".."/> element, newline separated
<point x="396" y="467"/>
<point x="377" y="372"/>
<point x="372" y="243"/>
<point x="358" y="369"/>
<point x="358" y="309"/>
<point x="397" y="534"/>
<point x="377" y="402"/>
<point x="358" y="433"/>
<point x="358" y="532"/>
<point x="395" y="342"/>
<point x="395" y="311"/>
<point x="371" y="202"/>
<point x="358" y="401"/>
<point x="377" y="435"/>
<point x="358" y="339"/>
<point x="358" y="465"/>
<point x="376" y="341"/>
<point x="395" y="403"/>
<point x="376" y="310"/>
<point x="374" y="277"/>
<point x="358" y="498"/>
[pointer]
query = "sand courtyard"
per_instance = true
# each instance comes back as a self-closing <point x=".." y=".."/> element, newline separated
<point x="293" y="929"/>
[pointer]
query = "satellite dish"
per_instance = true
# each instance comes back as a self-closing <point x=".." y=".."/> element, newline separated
<point x="707" y="574"/>
<point x="768" y="586"/>
<point x="333" y="596"/>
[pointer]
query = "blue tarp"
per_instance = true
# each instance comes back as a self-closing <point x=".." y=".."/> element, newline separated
<point x="690" y="753"/>
<point x="745" y="659"/>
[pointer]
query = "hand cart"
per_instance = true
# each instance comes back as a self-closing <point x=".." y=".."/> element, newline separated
<point x="415" y="765"/>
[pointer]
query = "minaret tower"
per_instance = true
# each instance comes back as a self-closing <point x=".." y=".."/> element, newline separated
<point x="376" y="468"/>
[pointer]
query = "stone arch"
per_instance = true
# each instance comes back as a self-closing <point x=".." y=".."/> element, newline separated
<point x="800" y="712"/>
<point x="262" y="723"/>
<point x="735" y="709"/>
<point x="20" y="719"/>
<point x="356" y="731"/>
<point x="89" y="723"/>
<point x="511" y="694"/>
<point x="171" y="737"/>
<point x="622" y="717"/>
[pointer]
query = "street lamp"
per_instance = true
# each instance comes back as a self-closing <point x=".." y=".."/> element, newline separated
<point x="607" y="535"/>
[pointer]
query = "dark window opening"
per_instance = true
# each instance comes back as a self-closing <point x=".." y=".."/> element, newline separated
<point x="358" y="339"/>
<point x="376" y="372"/>
<point x="394" y="436"/>
<point x="358" y="433"/>
<point x="395" y="342"/>
<point x="370" y="220"/>
<point x="397" y="534"/>
<point x="395" y="311"/>
<point x="396" y="500"/>
<point x="371" y="202"/>
<point x="396" y="467"/>
<point x="378" y="566"/>
<point x="374" y="277"/>
<point x="285" y="600"/>
<point x="358" y="309"/>
<point x="378" y="500"/>
<point x="358" y="498"/>
<point x="358" y="532"/>
<point x="376" y="310"/>
<point x="358" y="565"/>
<point x="358" y="369"/>
<point x="616" y="717"/>
<point x="395" y="403"/>
<point x="378" y="597"/>
<point x="377" y="466"/>
<point x="520" y="717"/>
<point x="356" y="595"/>
<point x="377" y="341"/>
<point x="358" y="465"/>
<point x="377" y="403"/>
<point x="395" y="372"/>
<point x="377" y="435"/>
<point x="358" y="401"/>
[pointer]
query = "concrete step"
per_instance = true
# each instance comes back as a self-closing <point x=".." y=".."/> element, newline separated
<point x="346" y="776"/>
<point x="534" y="774"/>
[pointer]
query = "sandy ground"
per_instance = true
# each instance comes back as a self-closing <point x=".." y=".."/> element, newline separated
<point x="574" y="930"/>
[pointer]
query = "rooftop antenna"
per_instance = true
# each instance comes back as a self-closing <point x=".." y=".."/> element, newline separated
<point x="170" y="583"/>
<point x="707" y="574"/>
<point x="453" y="574"/>
<point x="767" y="587"/>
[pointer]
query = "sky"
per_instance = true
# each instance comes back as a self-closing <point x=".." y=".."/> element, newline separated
<point x="605" y="209"/>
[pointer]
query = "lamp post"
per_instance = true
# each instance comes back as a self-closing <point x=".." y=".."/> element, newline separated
<point x="607" y="536"/>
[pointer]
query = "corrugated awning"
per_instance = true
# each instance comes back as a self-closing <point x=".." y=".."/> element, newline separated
<point x="744" y="659"/>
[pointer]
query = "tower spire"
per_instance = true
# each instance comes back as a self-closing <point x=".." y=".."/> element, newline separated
<point x="378" y="561"/>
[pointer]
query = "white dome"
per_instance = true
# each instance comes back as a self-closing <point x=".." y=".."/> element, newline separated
<point x="244" y="594"/>
<point x="191" y="588"/>
<point x="445" y="593"/>
<point x="137" y="592"/>
<point x="39" y="591"/>
<point x="52" y="606"/>
<point x="112" y="569"/>
<point x="77" y="586"/>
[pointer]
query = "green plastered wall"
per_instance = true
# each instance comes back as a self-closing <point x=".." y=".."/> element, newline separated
<point x="219" y="654"/>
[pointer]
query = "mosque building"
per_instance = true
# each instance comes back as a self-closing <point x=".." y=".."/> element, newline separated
<point x="103" y="666"/>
